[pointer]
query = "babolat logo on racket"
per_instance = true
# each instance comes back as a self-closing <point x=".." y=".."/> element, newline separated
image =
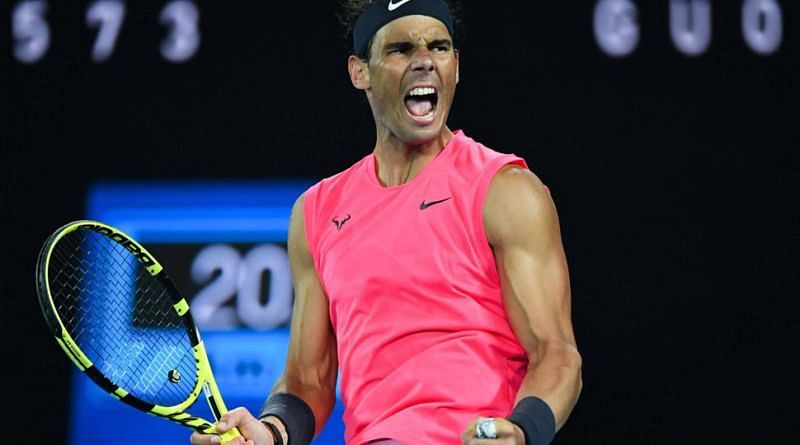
<point x="124" y="241"/>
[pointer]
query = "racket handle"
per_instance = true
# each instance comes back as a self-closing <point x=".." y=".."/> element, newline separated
<point x="229" y="435"/>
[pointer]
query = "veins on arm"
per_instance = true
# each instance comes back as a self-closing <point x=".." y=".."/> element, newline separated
<point x="521" y="224"/>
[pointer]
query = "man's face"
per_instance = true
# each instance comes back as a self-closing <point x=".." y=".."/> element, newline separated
<point x="413" y="71"/>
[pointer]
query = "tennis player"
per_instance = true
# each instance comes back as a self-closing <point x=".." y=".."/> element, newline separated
<point x="431" y="273"/>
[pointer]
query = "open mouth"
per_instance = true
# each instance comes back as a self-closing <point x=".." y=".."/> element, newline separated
<point x="421" y="102"/>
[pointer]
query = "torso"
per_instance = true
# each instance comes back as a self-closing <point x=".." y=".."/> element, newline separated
<point x="422" y="335"/>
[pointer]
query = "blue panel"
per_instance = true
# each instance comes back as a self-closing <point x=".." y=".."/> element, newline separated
<point x="172" y="212"/>
<point x="246" y="362"/>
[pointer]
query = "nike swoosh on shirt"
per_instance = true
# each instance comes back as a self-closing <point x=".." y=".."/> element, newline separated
<point x="393" y="5"/>
<point x="425" y="205"/>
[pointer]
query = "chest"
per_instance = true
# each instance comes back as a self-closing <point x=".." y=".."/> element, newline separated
<point x="402" y="242"/>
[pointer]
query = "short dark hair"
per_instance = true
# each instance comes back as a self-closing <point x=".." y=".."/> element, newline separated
<point x="352" y="9"/>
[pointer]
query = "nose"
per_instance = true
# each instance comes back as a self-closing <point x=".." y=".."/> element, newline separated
<point x="422" y="60"/>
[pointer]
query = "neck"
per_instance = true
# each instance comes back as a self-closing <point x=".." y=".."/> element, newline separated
<point x="398" y="162"/>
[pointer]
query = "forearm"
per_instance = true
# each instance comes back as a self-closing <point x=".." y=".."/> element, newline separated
<point x="320" y="396"/>
<point x="555" y="377"/>
<point x="311" y="362"/>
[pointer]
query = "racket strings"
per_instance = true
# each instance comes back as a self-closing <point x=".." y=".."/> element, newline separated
<point x="122" y="318"/>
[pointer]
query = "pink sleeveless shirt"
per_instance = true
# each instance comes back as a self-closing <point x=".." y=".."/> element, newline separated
<point x="423" y="340"/>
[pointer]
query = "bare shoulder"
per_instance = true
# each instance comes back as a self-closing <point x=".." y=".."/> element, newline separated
<point x="513" y="182"/>
<point x="517" y="201"/>
<point x="298" y="204"/>
<point x="297" y="217"/>
<point x="297" y="243"/>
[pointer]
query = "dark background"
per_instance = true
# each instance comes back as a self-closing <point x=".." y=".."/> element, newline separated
<point x="676" y="180"/>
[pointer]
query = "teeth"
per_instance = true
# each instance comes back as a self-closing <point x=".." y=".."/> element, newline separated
<point x="422" y="91"/>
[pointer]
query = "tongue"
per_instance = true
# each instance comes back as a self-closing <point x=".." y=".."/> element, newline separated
<point x="419" y="107"/>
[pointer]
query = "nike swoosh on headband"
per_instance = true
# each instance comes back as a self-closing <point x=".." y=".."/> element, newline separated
<point x="393" y="5"/>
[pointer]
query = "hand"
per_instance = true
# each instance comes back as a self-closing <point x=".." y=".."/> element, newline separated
<point x="507" y="434"/>
<point x="253" y="431"/>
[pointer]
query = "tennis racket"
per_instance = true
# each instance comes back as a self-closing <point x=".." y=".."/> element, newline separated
<point x="122" y="321"/>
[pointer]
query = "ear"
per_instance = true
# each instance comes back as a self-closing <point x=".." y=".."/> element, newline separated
<point x="359" y="72"/>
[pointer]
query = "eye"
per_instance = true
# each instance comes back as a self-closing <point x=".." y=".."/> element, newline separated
<point x="440" y="49"/>
<point x="399" y="49"/>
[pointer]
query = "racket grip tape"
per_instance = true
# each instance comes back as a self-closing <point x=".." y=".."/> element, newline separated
<point x="229" y="435"/>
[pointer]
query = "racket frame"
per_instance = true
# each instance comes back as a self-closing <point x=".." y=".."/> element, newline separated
<point x="205" y="380"/>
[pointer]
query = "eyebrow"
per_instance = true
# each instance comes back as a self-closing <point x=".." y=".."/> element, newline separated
<point x="398" y="46"/>
<point x="441" y="42"/>
<point x="392" y="46"/>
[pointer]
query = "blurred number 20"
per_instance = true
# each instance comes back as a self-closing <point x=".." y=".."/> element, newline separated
<point x="227" y="275"/>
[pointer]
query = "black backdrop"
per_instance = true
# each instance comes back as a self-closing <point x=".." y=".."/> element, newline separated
<point x="676" y="180"/>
